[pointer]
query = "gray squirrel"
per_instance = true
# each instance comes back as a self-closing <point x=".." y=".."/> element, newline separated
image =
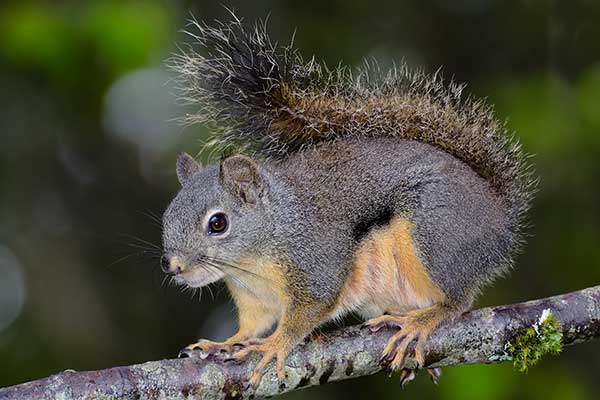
<point x="386" y="195"/>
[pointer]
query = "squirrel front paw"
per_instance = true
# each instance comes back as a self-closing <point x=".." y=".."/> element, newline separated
<point x="271" y="348"/>
<point x="209" y="347"/>
<point x="206" y="347"/>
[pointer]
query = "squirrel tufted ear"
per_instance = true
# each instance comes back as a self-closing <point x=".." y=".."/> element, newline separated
<point x="241" y="176"/>
<point x="186" y="167"/>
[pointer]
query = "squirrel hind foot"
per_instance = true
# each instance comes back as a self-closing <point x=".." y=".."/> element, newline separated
<point x="415" y="327"/>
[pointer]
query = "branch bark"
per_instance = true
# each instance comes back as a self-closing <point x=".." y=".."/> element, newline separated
<point x="476" y="337"/>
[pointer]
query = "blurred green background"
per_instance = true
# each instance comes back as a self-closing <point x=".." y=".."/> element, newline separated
<point x="87" y="154"/>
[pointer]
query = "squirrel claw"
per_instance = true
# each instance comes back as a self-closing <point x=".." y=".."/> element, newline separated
<point x="192" y="352"/>
<point x="406" y="376"/>
<point x="386" y="320"/>
<point x="373" y="328"/>
<point x="184" y="353"/>
<point x="434" y="374"/>
<point x="233" y="359"/>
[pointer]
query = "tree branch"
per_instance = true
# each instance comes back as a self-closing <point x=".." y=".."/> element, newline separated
<point x="475" y="337"/>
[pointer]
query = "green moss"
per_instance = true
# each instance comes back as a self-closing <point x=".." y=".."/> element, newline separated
<point x="529" y="346"/>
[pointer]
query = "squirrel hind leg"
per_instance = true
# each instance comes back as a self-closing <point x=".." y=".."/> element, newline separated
<point x="415" y="328"/>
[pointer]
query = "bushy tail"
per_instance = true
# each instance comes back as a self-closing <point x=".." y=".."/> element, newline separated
<point x="268" y="100"/>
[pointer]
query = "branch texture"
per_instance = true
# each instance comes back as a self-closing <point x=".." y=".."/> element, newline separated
<point x="476" y="337"/>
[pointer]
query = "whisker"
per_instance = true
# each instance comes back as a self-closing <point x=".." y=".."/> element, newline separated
<point x="211" y="292"/>
<point x="144" y="248"/>
<point x="143" y="242"/>
<point x="120" y="259"/>
<point x="235" y="278"/>
<point x="221" y="287"/>
<point x="142" y="254"/>
<point x="229" y="264"/>
<point x="154" y="217"/>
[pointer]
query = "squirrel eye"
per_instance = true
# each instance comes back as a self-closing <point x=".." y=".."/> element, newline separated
<point x="217" y="224"/>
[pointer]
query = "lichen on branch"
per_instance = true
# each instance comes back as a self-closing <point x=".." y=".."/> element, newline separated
<point x="528" y="347"/>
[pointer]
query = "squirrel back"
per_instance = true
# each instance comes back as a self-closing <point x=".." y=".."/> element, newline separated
<point x="269" y="101"/>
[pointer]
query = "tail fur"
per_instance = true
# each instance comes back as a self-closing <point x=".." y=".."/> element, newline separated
<point x="267" y="100"/>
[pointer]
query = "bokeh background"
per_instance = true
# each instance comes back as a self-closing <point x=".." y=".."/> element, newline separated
<point x="88" y="142"/>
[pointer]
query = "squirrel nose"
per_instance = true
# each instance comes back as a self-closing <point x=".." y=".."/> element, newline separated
<point x="170" y="265"/>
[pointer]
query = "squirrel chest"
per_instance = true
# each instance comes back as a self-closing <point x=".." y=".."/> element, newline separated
<point x="387" y="274"/>
<point x="255" y="290"/>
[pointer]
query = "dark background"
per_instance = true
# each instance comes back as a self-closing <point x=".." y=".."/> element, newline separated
<point x="87" y="153"/>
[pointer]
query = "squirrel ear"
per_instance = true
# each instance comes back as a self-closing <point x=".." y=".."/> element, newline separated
<point x="240" y="175"/>
<point x="186" y="167"/>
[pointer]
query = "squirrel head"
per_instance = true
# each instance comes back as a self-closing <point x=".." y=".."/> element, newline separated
<point x="215" y="218"/>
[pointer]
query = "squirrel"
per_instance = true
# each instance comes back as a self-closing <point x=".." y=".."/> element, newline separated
<point x="383" y="194"/>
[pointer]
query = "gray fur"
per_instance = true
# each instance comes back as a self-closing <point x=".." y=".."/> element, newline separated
<point x="186" y="167"/>
<point x="185" y="236"/>
<point x="334" y="151"/>
<point x="461" y="225"/>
